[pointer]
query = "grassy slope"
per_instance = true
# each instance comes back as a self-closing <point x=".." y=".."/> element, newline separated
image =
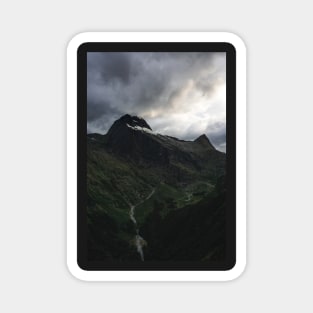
<point x="194" y="232"/>
<point x="114" y="185"/>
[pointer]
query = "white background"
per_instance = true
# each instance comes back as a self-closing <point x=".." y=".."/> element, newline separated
<point x="33" y="273"/>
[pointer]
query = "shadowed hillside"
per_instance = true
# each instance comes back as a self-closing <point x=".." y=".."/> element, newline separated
<point x="154" y="197"/>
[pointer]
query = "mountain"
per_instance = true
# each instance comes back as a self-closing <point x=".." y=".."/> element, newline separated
<point x="152" y="196"/>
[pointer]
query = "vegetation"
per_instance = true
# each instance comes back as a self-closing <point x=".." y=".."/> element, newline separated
<point x="176" y="187"/>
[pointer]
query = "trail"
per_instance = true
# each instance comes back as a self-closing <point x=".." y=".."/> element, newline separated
<point x="139" y="241"/>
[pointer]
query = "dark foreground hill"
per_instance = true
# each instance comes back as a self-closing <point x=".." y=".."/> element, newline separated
<point x="154" y="197"/>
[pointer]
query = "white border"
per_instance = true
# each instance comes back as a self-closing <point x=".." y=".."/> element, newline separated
<point x="72" y="156"/>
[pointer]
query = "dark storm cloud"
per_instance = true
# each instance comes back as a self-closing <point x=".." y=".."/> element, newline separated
<point x="174" y="92"/>
<point x="110" y="66"/>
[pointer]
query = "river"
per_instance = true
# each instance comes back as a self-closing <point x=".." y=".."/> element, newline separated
<point x="139" y="241"/>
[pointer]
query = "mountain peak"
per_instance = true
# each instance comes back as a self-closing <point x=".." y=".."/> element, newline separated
<point x="133" y="121"/>
<point x="123" y="129"/>
<point x="204" y="141"/>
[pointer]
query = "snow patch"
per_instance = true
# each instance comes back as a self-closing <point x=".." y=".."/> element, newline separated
<point x="143" y="129"/>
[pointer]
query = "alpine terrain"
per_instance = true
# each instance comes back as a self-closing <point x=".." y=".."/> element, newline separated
<point x="154" y="197"/>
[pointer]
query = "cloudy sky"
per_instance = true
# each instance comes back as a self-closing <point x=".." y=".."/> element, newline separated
<point x="179" y="94"/>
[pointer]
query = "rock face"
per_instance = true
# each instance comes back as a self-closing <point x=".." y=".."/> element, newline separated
<point x="131" y="137"/>
<point x="125" y="122"/>
<point x="204" y="141"/>
<point x="132" y="121"/>
<point x="132" y="162"/>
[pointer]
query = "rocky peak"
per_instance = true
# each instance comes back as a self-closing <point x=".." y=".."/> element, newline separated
<point x="204" y="141"/>
<point x="133" y="121"/>
<point x="121" y="126"/>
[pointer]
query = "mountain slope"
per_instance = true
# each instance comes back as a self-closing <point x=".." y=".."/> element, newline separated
<point x="125" y="166"/>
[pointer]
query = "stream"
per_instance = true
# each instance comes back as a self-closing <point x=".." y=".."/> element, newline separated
<point x="139" y="241"/>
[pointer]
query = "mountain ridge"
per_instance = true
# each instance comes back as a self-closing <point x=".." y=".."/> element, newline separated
<point x="136" y="122"/>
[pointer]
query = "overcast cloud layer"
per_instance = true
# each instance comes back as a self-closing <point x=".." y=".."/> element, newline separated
<point x="178" y="94"/>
